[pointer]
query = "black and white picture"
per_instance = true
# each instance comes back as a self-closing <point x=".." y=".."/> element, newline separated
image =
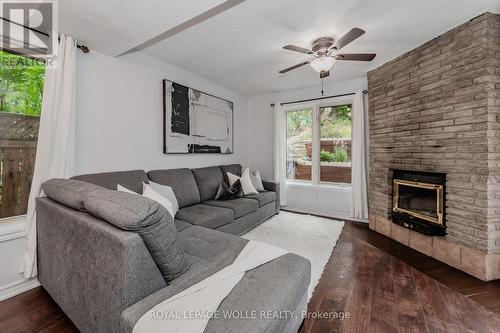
<point x="195" y="122"/>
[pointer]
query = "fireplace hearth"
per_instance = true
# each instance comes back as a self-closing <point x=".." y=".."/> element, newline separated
<point x="418" y="201"/>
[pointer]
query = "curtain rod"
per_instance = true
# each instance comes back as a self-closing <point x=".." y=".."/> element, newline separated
<point x="82" y="47"/>
<point x="318" y="98"/>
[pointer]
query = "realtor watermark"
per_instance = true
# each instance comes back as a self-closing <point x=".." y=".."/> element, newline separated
<point x="254" y="314"/>
<point x="30" y="28"/>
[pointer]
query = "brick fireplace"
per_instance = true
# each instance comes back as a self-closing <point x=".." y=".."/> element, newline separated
<point x="437" y="109"/>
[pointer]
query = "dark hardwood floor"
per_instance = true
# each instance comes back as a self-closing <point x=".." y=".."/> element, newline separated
<point x="383" y="285"/>
<point x="388" y="287"/>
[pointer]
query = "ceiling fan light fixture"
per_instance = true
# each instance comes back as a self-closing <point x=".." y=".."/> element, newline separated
<point x="322" y="64"/>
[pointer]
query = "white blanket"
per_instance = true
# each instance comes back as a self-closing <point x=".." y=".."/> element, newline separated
<point x="190" y="310"/>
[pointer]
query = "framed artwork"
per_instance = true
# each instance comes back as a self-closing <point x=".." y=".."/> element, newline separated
<point x="195" y="122"/>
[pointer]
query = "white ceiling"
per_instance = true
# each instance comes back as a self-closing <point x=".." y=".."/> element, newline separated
<point x="115" y="26"/>
<point x="241" y="48"/>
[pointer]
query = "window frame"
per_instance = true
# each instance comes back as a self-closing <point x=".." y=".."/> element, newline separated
<point x="13" y="227"/>
<point x="315" y="106"/>
<point x="295" y="108"/>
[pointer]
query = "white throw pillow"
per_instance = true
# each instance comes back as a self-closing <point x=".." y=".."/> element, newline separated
<point x="150" y="193"/>
<point x="124" y="189"/>
<point x="246" y="182"/>
<point x="167" y="192"/>
<point x="257" y="181"/>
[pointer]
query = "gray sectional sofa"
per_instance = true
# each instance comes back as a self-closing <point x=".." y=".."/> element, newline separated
<point x="105" y="279"/>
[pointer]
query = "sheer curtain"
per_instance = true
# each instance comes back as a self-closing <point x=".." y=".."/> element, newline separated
<point x="359" y="200"/>
<point x="55" y="154"/>
<point x="280" y="150"/>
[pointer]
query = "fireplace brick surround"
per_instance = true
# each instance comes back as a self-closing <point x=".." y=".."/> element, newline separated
<point x="437" y="108"/>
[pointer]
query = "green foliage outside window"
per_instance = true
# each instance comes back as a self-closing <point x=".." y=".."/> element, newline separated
<point x="298" y="122"/>
<point x="336" y="122"/>
<point x="339" y="155"/>
<point x="21" y="84"/>
<point x="326" y="156"/>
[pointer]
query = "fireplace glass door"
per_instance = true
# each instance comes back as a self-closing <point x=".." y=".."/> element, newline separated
<point x="421" y="200"/>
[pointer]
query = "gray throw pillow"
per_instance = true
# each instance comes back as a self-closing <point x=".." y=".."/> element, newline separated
<point x="226" y="192"/>
<point x="147" y="218"/>
<point x="69" y="192"/>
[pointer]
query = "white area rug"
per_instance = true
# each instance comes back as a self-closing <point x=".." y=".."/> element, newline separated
<point x="308" y="236"/>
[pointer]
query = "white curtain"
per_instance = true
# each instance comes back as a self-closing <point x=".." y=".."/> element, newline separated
<point x="280" y="150"/>
<point x="359" y="200"/>
<point x="55" y="155"/>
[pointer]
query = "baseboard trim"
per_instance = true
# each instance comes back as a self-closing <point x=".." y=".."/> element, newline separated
<point x="321" y="213"/>
<point x="12" y="228"/>
<point x="18" y="287"/>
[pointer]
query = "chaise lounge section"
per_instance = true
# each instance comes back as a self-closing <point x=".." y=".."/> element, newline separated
<point x="105" y="279"/>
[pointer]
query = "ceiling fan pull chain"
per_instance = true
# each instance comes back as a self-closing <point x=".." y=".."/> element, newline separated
<point x="322" y="92"/>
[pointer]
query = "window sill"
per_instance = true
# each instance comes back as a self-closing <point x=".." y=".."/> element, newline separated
<point x="334" y="187"/>
<point x="12" y="228"/>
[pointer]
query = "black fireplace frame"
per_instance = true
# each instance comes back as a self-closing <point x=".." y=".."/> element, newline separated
<point x="412" y="222"/>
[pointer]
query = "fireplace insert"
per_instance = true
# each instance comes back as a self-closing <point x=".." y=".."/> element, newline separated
<point x="418" y="201"/>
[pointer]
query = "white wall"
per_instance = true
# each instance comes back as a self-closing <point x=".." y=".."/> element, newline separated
<point x="313" y="199"/>
<point x="120" y="112"/>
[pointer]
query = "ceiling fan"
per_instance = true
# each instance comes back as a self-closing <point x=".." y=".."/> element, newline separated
<point x="326" y="50"/>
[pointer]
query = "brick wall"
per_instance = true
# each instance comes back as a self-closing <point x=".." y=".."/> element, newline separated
<point x="437" y="108"/>
<point x="493" y="105"/>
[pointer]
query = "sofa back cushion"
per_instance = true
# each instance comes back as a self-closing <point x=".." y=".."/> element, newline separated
<point x="69" y="192"/>
<point x="208" y="180"/>
<point x="132" y="180"/>
<point x="182" y="183"/>
<point x="235" y="169"/>
<point x="147" y="218"/>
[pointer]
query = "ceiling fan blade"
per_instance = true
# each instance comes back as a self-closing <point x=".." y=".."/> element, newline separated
<point x="355" y="56"/>
<point x="291" y="68"/>
<point x="298" y="49"/>
<point x="347" y="38"/>
<point x="324" y="74"/>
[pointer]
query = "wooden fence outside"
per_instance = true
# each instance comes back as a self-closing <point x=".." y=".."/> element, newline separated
<point x="18" y="139"/>
<point x="331" y="145"/>
<point x="328" y="173"/>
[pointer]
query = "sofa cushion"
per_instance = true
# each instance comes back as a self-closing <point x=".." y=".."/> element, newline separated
<point x="181" y="225"/>
<point x="206" y="216"/>
<point x="278" y="286"/>
<point x="263" y="197"/>
<point x="240" y="206"/>
<point x="235" y="169"/>
<point x="130" y="179"/>
<point x="208" y="181"/>
<point x="148" y="219"/>
<point x="69" y="192"/>
<point x="182" y="182"/>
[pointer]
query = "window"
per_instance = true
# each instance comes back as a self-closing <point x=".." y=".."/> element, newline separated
<point x="21" y="88"/>
<point x="299" y="144"/>
<point x="335" y="147"/>
<point x="318" y="139"/>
